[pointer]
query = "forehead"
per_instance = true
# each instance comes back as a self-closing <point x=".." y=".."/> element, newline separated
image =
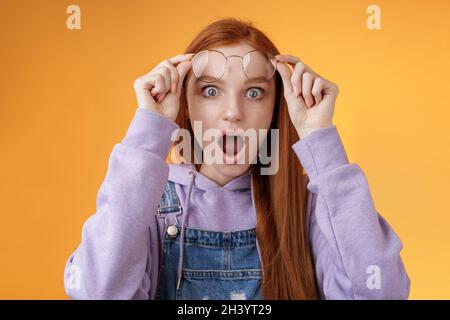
<point x="235" y="49"/>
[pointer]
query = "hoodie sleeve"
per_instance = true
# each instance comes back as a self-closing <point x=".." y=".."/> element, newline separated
<point x="355" y="251"/>
<point x="113" y="260"/>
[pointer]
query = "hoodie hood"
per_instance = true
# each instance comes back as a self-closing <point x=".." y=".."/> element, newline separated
<point x="179" y="173"/>
<point x="209" y="206"/>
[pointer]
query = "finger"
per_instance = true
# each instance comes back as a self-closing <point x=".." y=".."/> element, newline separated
<point x="330" y="91"/>
<point x="160" y="91"/>
<point x="330" y="87"/>
<point x="317" y="89"/>
<point x="293" y="60"/>
<point x="158" y="83"/>
<point x="173" y="75"/>
<point x="141" y="89"/>
<point x="171" y="79"/>
<point x="166" y="77"/>
<point x="182" y="68"/>
<point x="307" y="82"/>
<point x="180" y="58"/>
<point x="160" y="97"/>
<point x="176" y="61"/>
<point x="285" y="74"/>
<point x="296" y="78"/>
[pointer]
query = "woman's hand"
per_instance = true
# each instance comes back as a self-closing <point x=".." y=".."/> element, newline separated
<point x="164" y="82"/>
<point x="310" y="98"/>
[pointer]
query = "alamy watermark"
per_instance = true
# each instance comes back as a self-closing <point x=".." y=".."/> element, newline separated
<point x="374" y="280"/>
<point x="230" y="146"/>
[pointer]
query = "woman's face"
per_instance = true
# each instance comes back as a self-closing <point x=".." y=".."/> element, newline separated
<point x="230" y="103"/>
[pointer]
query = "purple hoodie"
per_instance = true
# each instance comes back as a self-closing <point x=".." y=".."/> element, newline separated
<point x="356" y="252"/>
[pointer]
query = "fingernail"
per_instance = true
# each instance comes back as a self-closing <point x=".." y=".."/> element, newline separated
<point x="174" y="87"/>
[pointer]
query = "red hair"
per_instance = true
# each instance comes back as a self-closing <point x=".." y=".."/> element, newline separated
<point x="280" y="199"/>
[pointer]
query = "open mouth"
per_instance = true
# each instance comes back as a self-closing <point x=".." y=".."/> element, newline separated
<point x="231" y="146"/>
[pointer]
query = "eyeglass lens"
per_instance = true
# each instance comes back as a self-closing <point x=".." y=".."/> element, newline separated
<point x="210" y="65"/>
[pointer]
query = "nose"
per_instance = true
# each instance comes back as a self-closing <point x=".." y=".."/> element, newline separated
<point x="233" y="112"/>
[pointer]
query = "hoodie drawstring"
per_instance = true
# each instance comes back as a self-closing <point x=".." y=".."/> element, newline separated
<point x="192" y="173"/>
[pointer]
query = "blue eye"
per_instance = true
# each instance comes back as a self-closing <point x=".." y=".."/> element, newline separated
<point x="212" y="89"/>
<point x="209" y="90"/>
<point x="257" y="89"/>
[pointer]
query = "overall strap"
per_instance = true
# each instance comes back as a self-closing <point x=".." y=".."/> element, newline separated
<point x="169" y="201"/>
<point x="169" y="208"/>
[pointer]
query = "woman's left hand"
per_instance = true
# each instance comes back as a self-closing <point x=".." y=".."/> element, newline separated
<point x="310" y="98"/>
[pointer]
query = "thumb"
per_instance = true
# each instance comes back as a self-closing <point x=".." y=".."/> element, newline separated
<point x="183" y="68"/>
<point x="286" y="75"/>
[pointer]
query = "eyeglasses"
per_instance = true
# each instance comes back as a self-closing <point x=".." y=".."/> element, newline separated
<point x="211" y="65"/>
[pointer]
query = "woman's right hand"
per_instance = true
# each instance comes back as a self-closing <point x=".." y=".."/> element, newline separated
<point x="159" y="90"/>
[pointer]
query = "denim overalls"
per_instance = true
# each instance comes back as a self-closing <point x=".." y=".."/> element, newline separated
<point x="215" y="265"/>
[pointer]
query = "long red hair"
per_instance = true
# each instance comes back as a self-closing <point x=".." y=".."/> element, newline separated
<point x="280" y="199"/>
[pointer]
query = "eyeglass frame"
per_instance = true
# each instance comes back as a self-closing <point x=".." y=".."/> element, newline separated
<point x="242" y="64"/>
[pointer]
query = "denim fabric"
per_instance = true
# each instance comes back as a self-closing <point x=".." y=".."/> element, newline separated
<point x="217" y="265"/>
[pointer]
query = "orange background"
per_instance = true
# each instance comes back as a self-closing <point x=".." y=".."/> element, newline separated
<point x="67" y="97"/>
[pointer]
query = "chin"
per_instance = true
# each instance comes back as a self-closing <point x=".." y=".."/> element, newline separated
<point x="232" y="170"/>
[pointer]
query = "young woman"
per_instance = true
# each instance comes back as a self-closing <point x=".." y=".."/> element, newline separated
<point x="215" y="230"/>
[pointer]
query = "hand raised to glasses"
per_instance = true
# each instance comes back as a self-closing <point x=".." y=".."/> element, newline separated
<point x="310" y="98"/>
<point x="163" y="82"/>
